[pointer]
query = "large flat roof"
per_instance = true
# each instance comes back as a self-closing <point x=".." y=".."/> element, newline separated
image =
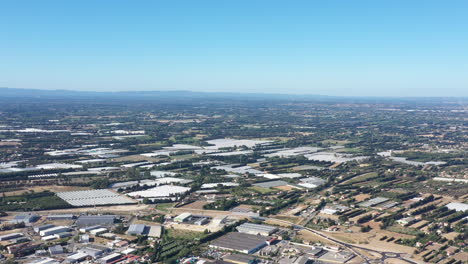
<point x="239" y="241"/>
<point x="94" y="197"/>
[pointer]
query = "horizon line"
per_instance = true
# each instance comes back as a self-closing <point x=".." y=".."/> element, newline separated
<point x="237" y="93"/>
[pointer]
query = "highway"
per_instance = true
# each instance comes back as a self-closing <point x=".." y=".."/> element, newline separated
<point x="385" y="254"/>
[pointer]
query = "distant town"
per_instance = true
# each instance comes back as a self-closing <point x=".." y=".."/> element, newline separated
<point x="233" y="180"/>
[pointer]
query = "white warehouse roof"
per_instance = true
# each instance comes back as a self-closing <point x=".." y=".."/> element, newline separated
<point x="160" y="191"/>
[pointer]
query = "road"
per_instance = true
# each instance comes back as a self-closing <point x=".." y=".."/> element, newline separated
<point x="385" y="254"/>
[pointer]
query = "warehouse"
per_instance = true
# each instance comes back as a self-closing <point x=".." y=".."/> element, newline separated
<point x="94" y="198"/>
<point x="110" y="258"/>
<point x="10" y="236"/>
<point x="54" y="230"/>
<point x="37" y="229"/>
<point x="60" y="217"/>
<point x="254" y="229"/>
<point x="94" y="251"/>
<point x="183" y="217"/>
<point x="241" y="242"/>
<point x="26" y="218"/>
<point x="91" y="220"/>
<point x="136" y="230"/>
<point x="48" y="238"/>
<point x="145" y="230"/>
<point x="44" y="261"/>
<point x="63" y="235"/>
<point x="54" y="250"/>
<point x="77" y="257"/>
<point x="202" y="221"/>
<point x="240" y="259"/>
<point x="98" y="231"/>
<point x="89" y="228"/>
<point x="155" y="231"/>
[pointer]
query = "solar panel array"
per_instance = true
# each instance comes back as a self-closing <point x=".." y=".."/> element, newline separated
<point x="94" y="197"/>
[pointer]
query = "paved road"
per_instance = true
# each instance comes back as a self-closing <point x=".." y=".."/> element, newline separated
<point x="385" y="254"/>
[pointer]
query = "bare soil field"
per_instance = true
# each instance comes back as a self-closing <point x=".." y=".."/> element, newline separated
<point x="116" y="209"/>
<point x="194" y="205"/>
<point x="361" y="197"/>
<point x="419" y="224"/>
<point x="371" y="240"/>
<point x="52" y="188"/>
<point x="310" y="237"/>
<point x="285" y="188"/>
<point x="395" y="261"/>
<point x="212" y="213"/>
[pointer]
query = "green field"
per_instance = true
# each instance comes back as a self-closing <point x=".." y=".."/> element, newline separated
<point x="261" y="190"/>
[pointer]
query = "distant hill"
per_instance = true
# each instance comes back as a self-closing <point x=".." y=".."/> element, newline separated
<point x="37" y="94"/>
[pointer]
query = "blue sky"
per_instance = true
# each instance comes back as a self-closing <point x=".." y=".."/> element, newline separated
<point x="357" y="48"/>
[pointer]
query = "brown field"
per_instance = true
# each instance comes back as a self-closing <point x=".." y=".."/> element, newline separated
<point x="289" y="218"/>
<point x="371" y="240"/>
<point x="418" y="224"/>
<point x="361" y="197"/>
<point x="451" y="235"/>
<point x="6" y="143"/>
<point x="194" y="205"/>
<point x="212" y="213"/>
<point x="395" y="261"/>
<point x="310" y="237"/>
<point x="463" y="256"/>
<point x="116" y="209"/>
<point x="284" y="188"/>
<point x="52" y="188"/>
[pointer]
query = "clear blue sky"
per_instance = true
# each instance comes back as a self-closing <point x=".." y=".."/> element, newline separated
<point x="375" y="48"/>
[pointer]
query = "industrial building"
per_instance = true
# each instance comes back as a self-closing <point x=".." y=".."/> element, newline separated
<point x="110" y="258"/>
<point x="54" y="230"/>
<point x="98" y="231"/>
<point x="145" y="230"/>
<point x="44" y="261"/>
<point x="202" y="221"/>
<point x="60" y="217"/>
<point x="241" y="242"/>
<point x="155" y="231"/>
<point x="255" y="229"/>
<point x="136" y="230"/>
<point x="63" y="235"/>
<point x="184" y="217"/>
<point x="54" y="250"/>
<point x="10" y="236"/>
<point x="37" y="229"/>
<point x="90" y="220"/>
<point x="77" y="257"/>
<point x="26" y="218"/>
<point x="94" y="251"/>
<point x="240" y="259"/>
<point x="89" y="228"/>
